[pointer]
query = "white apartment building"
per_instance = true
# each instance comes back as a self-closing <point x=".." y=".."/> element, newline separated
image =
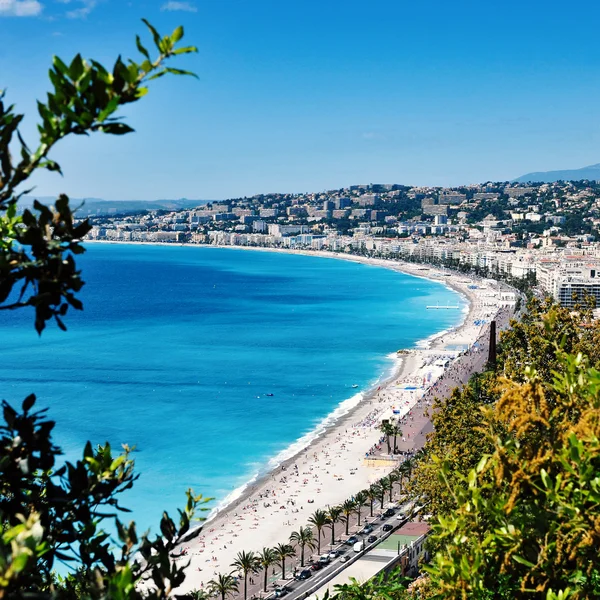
<point x="571" y="280"/>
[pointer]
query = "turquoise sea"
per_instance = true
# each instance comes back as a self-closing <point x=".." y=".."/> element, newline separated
<point x="179" y="349"/>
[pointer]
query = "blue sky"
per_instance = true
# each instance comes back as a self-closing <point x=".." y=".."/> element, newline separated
<point x="311" y="95"/>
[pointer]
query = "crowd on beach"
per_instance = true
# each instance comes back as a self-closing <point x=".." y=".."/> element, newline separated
<point x="334" y="467"/>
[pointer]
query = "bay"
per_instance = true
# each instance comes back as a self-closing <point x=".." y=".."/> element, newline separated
<point x="212" y="361"/>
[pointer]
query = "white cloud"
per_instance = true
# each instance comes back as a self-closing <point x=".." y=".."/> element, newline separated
<point x="181" y="6"/>
<point x="20" y="8"/>
<point x="87" y="6"/>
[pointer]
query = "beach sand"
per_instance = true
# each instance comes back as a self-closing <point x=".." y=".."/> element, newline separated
<point x="333" y="467"/>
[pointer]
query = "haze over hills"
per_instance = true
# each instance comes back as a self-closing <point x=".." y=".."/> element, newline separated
<point x="97" y="206"/>
<point x="591" y="173"/>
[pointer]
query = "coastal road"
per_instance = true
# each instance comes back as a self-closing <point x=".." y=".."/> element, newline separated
<point x="298" y="589"/>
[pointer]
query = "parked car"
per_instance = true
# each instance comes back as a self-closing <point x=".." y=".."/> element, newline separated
<point x="351" y="540"/>
<point x="371" y="539"/>
<point x="316" y="566"/>
<point x="366" y="529"/>
<point x="304" y="574"/>
<point x="387" y="527"/>
<point x="390" y="512"/>
<point x="324" y="559"/>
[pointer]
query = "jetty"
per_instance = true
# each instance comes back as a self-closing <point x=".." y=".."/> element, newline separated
<point x="444" y="307"/>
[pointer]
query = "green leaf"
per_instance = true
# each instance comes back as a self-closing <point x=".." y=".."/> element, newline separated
<point x="76" y="68"/>
<point x="28" y="402"/>
<point x="109" y="109"/>
<point x="141" y="48"/>
<point x="116" y="128"/>
<point x="60" y="66"/>
<point x="186" y="50"/>
<point x="180" y="72"/>
<point x="154" y="33"/>
<point x="523" y="561"/>
<point x="546" y="480"/>
<point x="157" y="75"/>
<point x="20" y="562"/>
<point x="177" y="34"/>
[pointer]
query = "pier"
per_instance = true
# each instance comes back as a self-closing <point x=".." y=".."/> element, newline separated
<point x="444" y="307"/>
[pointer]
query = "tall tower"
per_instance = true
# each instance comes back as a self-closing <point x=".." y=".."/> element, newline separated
<point x="492" y="349"/>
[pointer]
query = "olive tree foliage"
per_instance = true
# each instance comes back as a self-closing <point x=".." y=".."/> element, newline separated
<point x="38" y="247"/>
<point x="55" y="513"/>
<point x="527" y="522"/>
<point x="537" y="342"/>
<point x="511" y="473"/>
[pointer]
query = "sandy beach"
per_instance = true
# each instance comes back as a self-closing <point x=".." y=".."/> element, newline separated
<point x="335" y="466"/>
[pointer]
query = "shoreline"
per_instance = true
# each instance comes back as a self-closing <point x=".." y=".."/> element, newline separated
<point x="330" y="421"/>
<point x="248" y="512"/>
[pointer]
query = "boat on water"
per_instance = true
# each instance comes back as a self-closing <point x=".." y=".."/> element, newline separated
<point x="269" y="395"/>
<point x="355" y="385"/>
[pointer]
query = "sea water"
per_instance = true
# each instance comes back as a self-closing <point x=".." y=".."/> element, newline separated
<point x="211" y="362"/>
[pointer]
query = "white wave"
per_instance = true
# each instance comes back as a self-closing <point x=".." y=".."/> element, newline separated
<point x="236" y="494"/>
<point x="290" y="451"/>
<point x="426" y="343"/>
<point x="341" y="410"/>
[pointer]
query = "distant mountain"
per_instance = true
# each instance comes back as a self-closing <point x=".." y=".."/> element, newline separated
<point x="97" y="206"/>
<point x="592" y="173"/>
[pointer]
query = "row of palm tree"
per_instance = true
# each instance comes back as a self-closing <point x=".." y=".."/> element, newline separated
<point x="250" y="562"/>
<point x="389" y="429"/>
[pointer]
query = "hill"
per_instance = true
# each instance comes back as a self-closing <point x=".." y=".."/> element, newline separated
<point x="97" y="206"/>
<point x="592" y="173"/>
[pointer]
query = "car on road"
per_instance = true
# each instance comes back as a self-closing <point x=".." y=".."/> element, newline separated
<point x="344" y="558"/>
<point x="351" y="540"/>
<point x="304" y="574"/>
<point x="280" y="592"/>
<point x="371" y="539"/>
<point x="324" y="559"/>
<point x="387" y="527"/>
<point x="366" y="529"/>
<point x="390" y="512"/>
<point x="335" y="553"/>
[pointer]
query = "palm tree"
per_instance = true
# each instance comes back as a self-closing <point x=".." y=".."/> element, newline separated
<point x="396" y="431"/>
<point x="373" y="493"/>
<point x="384" y="486"/>
<point x="387" y="429"/>
<point x="284" y="551"/>
<point x="246" y="562"/>
<point x="403" y="470"/>
<point x="334" y="514"/>
<point x="348" y="507"/>
<point x="198" y="595"/>
<point x="266" y="558"/>
<point x="319" y="520"/>
<point x="360" y="500"/>
<point x="393" y="478"/>
<point x="303" y="537"/>
<point x="223" y="585"/>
